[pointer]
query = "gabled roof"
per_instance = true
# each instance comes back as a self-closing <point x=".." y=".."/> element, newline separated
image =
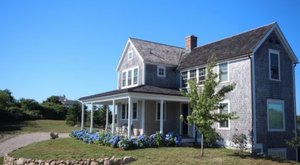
<point x="155" y="53"/>
<point x="138" y="89"/>
<point x="232" y="47"/>
<point x="238" y="45"/>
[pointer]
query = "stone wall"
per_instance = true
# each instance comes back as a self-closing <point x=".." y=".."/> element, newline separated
<point x="8" y="160"/>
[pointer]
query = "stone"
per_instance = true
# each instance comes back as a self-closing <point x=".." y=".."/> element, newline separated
<point x="118" y="161"/>
<point x="99" y="160"/>
<point x="108" y="162"/>
<point x="21" y="161"/>
<point x="128" y="159"/>
<point x="31" y="163"/>
<point x="52" y="163"/>
<point x="94" y="163"/>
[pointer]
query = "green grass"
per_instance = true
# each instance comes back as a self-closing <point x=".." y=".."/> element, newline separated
<point x="1" y="160"/>
<point x="69" y="148"/>
<point x="12" y="129"/>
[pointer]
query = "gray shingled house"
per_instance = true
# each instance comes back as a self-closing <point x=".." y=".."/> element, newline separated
<point x="259" y="61"/>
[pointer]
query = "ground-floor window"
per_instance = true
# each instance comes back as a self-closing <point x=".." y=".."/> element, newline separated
<point x="276" y="121"/>
<point x="158" y="111"/>
<point x="277" y="152"/>
<point x="124" y="111"/>
<point x="224" y="110"/>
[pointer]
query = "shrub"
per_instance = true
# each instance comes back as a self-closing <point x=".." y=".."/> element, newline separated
<point x="125" y="144"/>
<point x="240" y="140"/>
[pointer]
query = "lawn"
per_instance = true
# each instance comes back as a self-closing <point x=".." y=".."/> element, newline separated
<point x="69" y="148"/>
<point x="11" y="129"/>
<point x="1" y="160"/>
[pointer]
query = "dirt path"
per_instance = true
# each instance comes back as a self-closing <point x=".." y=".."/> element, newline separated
<point x="25" y="139"/>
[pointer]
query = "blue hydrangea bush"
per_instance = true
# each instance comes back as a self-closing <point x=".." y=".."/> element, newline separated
<point x="143" y="141"/>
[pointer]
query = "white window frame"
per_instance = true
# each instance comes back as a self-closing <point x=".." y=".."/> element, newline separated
<point x="181" y="79"/>
<point x="219" y="111"/>
<point x="283" y="114"/>
<point x="126" y="111"/>
<point x="205" y="76"/>
<point x="279" y="71"/>
<point x="161" y="67"/>
<point x="132" y="77"/>
<point x="270" y="150"/>
<point x="164" y="109"/>
<point x="227" y="72"/>
<point x="128" y="55"/>
<point x="123" y="79"/>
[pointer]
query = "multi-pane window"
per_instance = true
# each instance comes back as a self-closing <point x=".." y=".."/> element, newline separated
<point x="274" y="65"/>
<point x="158" y="112"/>
<point x="161" y="71"/>
<point x="201" y="76"/>
<point x="135" y="76"/>
<point x="125" y="113"/>
<point x="223" y="72"/>
<point x="129" y="77"/>
<point x="184" y="79"/>
<point x="124" y="79"/>
<point x="224" y="110"/>
<point x="193" y="75"/>
<point x="275" y="115"/>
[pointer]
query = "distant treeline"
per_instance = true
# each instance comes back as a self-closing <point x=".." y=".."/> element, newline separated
<point x="13" y="110"/>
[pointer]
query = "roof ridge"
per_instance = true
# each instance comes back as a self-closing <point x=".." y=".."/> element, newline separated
<point x="156" y="43"/>
<point x="273" y="23"/>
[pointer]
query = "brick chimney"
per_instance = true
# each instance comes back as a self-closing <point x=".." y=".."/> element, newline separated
<point x="190" y="42"/>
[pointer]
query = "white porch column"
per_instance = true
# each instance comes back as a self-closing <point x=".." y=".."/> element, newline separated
<point x="113" y="118"/>
<point x="143" y="117"/>
<point x="161" y="126"/>
<point x="129" y="116"/>
<point x="106" y="119"/>
<point x="92" y="116"/>
<point x="82" y="115"/>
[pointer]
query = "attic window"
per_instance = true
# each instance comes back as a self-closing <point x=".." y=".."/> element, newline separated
<point x="130" y="55"/>
<point x="274" y="65"/>
<point x="161" y="71"/>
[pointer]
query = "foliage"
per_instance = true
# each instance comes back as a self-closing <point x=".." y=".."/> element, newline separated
<point x="294" y="143"/>
<point x="206" y="100"/>
<point x="99" y="116"/>
<point x="240" y="140"/>
<point x="54" y="135"/>
<point x="142" y="141"/>
<point x="73" y="114"/>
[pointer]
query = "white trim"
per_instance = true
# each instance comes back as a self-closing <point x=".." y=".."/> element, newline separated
<point x="143" y="117"/>
<point x="283" y="114"/>
<point x="219" y="110"/>
<point x="253" y="99"/>
<point x="270" y="150"/>
<point x="129" y="117"/>
<point x="164" y="109"/>
<point x="161" y="67"/>
<point x="144" y="72"/>
<point x="113" y="118"/>
<point x="82" y="115"/>
<point x="227" y="66"/>
<point x="283" y="40"/>
<point x="132" y="77"/>
<point x="129" y="42"/>
<point x="128" y="57"/>
<point x="91" y="118"/>
<point x="162" y="118"/>
<point x="295" y="111"/>
<point x="279" y="72"/>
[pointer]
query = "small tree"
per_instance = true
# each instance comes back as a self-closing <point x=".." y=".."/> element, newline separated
<point x="240" y="140"/>
<point x="205" y="101"/>
<point x="73" y="114"/>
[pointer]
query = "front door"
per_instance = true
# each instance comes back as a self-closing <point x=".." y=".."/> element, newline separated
<point x="184" y="112"/>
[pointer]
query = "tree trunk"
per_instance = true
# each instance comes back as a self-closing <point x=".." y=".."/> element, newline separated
<point x="202" y="149"/>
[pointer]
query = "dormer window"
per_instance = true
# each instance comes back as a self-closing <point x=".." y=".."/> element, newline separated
<point x="161" y="71"/>
<point x="130" y="77"/>
<point x="130" y="55"/>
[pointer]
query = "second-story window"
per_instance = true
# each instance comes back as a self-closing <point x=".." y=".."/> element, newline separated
<point x="129" y="77"/>
<point x="135" y="76"/>
<point x="184" y="79"/>
<point x="193" y="75"/>
<point x="123" y="79"/>
<point x="223" y="72"/>
<point x="161" y="71"/>
<point x="201" y="76"/>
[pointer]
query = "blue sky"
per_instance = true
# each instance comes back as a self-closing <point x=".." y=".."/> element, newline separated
<point x="73" y="47"/>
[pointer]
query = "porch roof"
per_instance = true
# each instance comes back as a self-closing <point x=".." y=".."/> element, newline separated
<point x="144" y="89"/>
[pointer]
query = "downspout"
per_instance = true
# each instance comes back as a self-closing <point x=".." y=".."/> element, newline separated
<point x="254" y="138"/>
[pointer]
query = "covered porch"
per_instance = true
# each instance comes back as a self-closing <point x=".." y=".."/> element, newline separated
<point x="142" y="110"/>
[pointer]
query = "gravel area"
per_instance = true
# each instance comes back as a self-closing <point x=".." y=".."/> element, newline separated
<point x="25" y="139"/>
